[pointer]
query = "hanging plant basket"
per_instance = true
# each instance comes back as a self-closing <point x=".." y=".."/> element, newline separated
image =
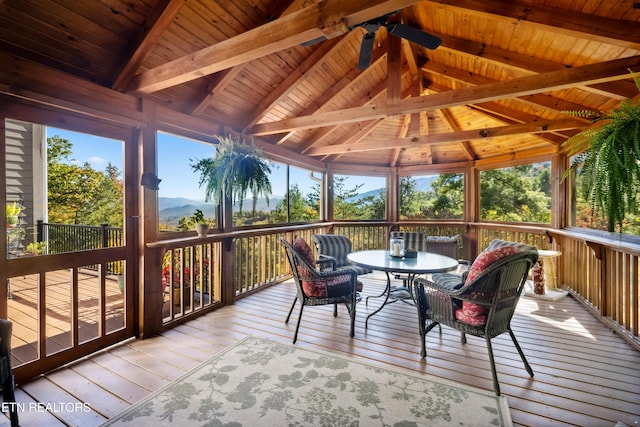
<point x="608" y="159"/>
<point x="237" y="168"/>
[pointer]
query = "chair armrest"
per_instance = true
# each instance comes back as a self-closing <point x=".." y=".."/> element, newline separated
<point x="326" y="262"/>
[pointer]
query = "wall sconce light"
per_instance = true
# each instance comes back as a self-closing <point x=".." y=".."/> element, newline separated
<point x="150" y="181"/>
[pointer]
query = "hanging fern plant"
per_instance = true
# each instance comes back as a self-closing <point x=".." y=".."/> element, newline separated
<point x="237" y="168"/>
<point x="608" y="158"/>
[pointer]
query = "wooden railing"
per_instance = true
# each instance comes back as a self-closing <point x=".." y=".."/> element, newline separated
<point x="604" y="275"/>
<point x="191" y="279"/>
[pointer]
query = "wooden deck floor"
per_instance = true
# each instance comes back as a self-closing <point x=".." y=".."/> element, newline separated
<point x="584" y="374"/>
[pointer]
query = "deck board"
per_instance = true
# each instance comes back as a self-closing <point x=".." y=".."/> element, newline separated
<point x="585" y="375"/>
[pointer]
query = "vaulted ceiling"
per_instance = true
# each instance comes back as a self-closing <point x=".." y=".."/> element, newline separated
<point x="496" y="86"/>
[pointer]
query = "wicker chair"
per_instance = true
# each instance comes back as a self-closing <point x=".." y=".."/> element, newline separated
<point x="6" y="373"/>
<point x="442" y="245"/>
<point x="315" y="287"/>
<point x="490" y="294"/>
<point x="448" y="246"/>
<point x="332" y="253"/>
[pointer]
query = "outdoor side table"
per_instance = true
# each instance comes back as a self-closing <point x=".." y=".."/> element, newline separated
<point x="551" y="290"/>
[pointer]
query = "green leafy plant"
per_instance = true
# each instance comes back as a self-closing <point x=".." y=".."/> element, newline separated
<point x="35" y="248"/>
<point x="238" y="167"/>
<point x="12" y="212"/>
<point x="13" y="209"/>
<point x="198" y="217"/>
<point x="608" y="159"/>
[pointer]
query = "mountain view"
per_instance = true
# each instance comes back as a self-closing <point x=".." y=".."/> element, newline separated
<point x="172" y="209"/>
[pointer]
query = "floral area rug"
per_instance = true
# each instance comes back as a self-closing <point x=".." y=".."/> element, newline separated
<point x="262" y="382"/>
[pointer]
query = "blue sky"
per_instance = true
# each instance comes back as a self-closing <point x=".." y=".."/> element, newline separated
<point x="175" y="157"/>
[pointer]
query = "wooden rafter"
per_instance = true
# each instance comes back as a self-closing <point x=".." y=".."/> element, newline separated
<point x="572" y="23"/>
<point x="374" y="144"/>
<point x="521" y="63"/>
<point x="595" y="73"/>
<point x="163" y="14"/>
<point x="328" y="19"/>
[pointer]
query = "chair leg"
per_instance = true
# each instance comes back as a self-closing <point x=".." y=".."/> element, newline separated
<point x="8" y="396"/>
<point x="335" y="310"/>
<point x="496" y="386"/>
<point x="291" y="310"/>
<point x="295" y="334"/>
<point x="352" y="313"/>
<point x="524" y="359"/>
<point x="463" y="338"/>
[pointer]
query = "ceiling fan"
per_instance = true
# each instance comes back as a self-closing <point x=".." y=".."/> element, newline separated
<point x="397" y="29"/>
<point x="401" y="30"/>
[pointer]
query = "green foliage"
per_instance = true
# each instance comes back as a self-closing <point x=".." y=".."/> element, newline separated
<point x="237" y="167"/>
<point x="80" y="194"/>
<point x="609" y="161"/>
<point x="515" y="195"/>
<point x="445" y="200"/>
<point x="295" y="207"/>
<point x="348" y="204"/>
<point x="13" y="209"/>
<point x="198" y="217"/>
<point x="35" y="248"/>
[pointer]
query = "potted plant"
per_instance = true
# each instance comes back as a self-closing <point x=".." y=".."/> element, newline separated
<point x="238" y="167"/>
<point x="35" y="248"/>
<point x="608" y="158"/>
<point x="202" y="224"/>
<point x="13" y="214"/>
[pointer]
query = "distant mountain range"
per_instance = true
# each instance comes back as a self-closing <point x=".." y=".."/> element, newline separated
<point x="172" y="209"/>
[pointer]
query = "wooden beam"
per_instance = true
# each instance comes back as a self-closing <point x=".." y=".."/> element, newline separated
<point x="460" y="136"/>
<point x="522" y="63"/>
<point x="394" y="69"/>
<point x="218" y="83"/>
<point x="588" y="74"/>
<point x="154" y="27"/>
<point x="570" y="22"/>
<point x="327" y="19"/>
<point x="290" y="83"/>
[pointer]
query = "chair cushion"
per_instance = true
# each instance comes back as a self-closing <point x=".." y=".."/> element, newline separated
<point x="318" y="288"/>
<point x="334" y="245"/>
<point x="476" y="314"/>
<point x="304" y="249"/>
<point x="340" y="286"/>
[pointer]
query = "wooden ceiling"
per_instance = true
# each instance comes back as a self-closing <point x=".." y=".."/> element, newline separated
<point x="495" y="88"/>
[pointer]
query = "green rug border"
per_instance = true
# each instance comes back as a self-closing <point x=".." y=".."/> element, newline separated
<point x="502" y="403"/>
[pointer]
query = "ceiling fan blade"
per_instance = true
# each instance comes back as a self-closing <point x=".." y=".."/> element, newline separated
<point x="414" y="35"/>
<point x="313" y="41"/>
<point x="366" y="50"/>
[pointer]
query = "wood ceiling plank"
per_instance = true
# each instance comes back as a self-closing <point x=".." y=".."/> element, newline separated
<point x="574" y="23"/>
<point x="617" y="69"/>
<point x="219" y="82"/>
<point x="286" y="86"/>
<point x="328" y="19"/>
<point x="157" y="23"/>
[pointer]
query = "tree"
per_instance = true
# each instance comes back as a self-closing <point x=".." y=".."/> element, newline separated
<point x="80" y="194"/>
<point x="346" y="204"/>
<point x="295" y="204"/>
<point x="445" y="200"/>
<point x="513" y="194"/>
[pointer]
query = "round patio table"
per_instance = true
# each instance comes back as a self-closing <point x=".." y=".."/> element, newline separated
<point x="381" y="260"/>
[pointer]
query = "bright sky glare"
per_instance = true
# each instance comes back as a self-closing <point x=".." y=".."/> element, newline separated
<point x="175" y="156"/>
